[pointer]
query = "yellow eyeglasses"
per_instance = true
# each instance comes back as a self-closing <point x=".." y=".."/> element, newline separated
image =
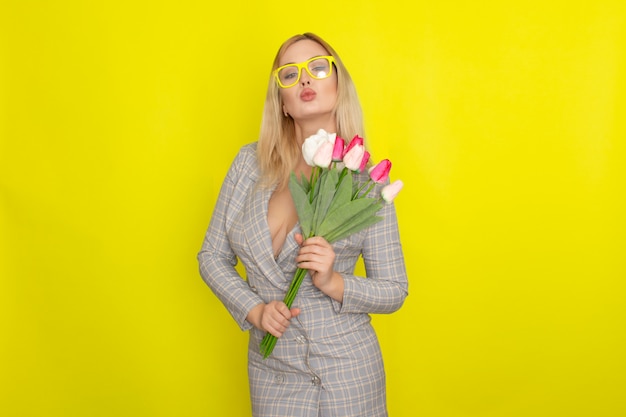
<point x="318" y="67"/>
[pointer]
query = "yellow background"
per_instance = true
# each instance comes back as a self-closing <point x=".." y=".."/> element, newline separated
<point x="505" y="120"/>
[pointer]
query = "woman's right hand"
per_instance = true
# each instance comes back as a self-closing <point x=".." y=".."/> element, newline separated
<point x="273" y="317"/>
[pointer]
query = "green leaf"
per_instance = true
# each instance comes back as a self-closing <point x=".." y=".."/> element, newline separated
<point x="343" y="193"/>
<point x="348" y="212"/>
<point x="301" y="200"/>
<point x="306" y="185"/>
<point x="342" y="196"/>
<point x="361" y="220"/>
<point x="315" y="184"/>
<point x="327" y="185"/>
<point x="350" y="229"/>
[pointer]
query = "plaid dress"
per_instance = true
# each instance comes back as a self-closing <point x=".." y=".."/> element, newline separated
<point x="328" y="362"/>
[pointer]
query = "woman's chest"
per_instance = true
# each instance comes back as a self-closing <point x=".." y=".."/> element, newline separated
<point x="281" y="218"/>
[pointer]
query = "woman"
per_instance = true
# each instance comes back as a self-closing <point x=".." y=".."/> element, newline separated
<point x="327" y="361"/>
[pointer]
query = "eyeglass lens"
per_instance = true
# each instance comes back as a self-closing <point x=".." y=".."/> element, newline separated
<point x="318" y="68"/>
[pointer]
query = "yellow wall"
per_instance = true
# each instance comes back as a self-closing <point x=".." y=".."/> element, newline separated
<point x="506" y="122"/>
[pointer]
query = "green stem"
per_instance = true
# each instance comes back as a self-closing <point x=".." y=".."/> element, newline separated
<point x="314" y="175"/>
<point x="372" y="185"/>
<point x="294" y="287"/>
<point x="356" y="194"/>
<point x="344" y="172"/>
<point x="269" y="340"/>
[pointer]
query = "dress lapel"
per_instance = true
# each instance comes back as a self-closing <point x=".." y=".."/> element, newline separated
<point x="258" y="237"/>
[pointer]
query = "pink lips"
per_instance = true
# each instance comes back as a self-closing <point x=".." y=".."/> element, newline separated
<point x="307" y="94"/>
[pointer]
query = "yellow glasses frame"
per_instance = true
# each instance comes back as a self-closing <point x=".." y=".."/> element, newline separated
<point x="304" y="65"/>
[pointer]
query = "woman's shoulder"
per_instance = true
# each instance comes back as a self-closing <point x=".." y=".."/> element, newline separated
<point x="249" y="147"/>
<point x="247" y="151"/>
<point x="246" y="160"/>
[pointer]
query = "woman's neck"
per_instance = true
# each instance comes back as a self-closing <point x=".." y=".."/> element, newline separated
<point x="310" y="127"/>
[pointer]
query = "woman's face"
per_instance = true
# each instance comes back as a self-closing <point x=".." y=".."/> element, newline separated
<point x="310" y="98"/>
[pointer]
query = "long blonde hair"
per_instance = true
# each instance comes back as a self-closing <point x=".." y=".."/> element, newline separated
<point x="278" y="151"/>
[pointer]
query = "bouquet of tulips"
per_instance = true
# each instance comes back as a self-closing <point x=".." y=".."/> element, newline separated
<point x="331" y="203"/>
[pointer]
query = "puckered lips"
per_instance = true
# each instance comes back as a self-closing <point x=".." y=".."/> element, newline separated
<point x="307" y="94"/>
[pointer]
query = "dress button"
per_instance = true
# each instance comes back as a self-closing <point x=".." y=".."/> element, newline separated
<point x="316" y="381"/>
<point x="254" y="290"/>
<point x="279" y="379"/>
<point x="301" y="339"/>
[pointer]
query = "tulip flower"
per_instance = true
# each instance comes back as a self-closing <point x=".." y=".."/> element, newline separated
<point x="364" y="161"/>
<point x="380" y="172"/>
<point x="356" y="140"/>
<point x="323" y="156"/>
<point x="312" y="144"/>
<point x="352" y="159"/>
<point x="390" y="191"/>
<point x="338" y="149"/>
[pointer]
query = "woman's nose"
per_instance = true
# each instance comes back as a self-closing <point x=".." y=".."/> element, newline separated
<point x="305" y="78"/>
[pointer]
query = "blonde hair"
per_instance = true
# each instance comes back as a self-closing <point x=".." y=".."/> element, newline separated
<point x="278" y="151"/>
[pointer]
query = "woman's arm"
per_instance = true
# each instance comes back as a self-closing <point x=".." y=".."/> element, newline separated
<point x="216" y="258"/>
<point x="386" y="286"/>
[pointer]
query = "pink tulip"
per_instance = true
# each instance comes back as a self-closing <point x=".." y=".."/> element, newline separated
<point x="338" y="149"/>
<point x="380" y="172"/>
<point x="366" y="158"/>
<point x="390" y="191"/>
<point x="352" y="159"/>
<point x="324" y="155"/>
<point x="356" y="140"/>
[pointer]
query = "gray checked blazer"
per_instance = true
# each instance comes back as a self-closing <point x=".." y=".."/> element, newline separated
<point x="328" y="362"/>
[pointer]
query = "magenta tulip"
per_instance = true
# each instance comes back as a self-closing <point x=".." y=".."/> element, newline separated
<point x="364" y="161"/>
<point x="340" y="144"/>
<point x="380" y="172"/>
<point x="356" y="140"/>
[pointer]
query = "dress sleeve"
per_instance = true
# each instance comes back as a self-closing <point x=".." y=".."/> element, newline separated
<point x="216" y="258"/>
<point x="386" y="286"/>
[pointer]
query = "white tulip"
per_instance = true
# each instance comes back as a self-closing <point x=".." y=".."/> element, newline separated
<point x="314" y="142"/>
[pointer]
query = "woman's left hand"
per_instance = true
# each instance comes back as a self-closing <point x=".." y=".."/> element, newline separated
<point x="318" y="257"/>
